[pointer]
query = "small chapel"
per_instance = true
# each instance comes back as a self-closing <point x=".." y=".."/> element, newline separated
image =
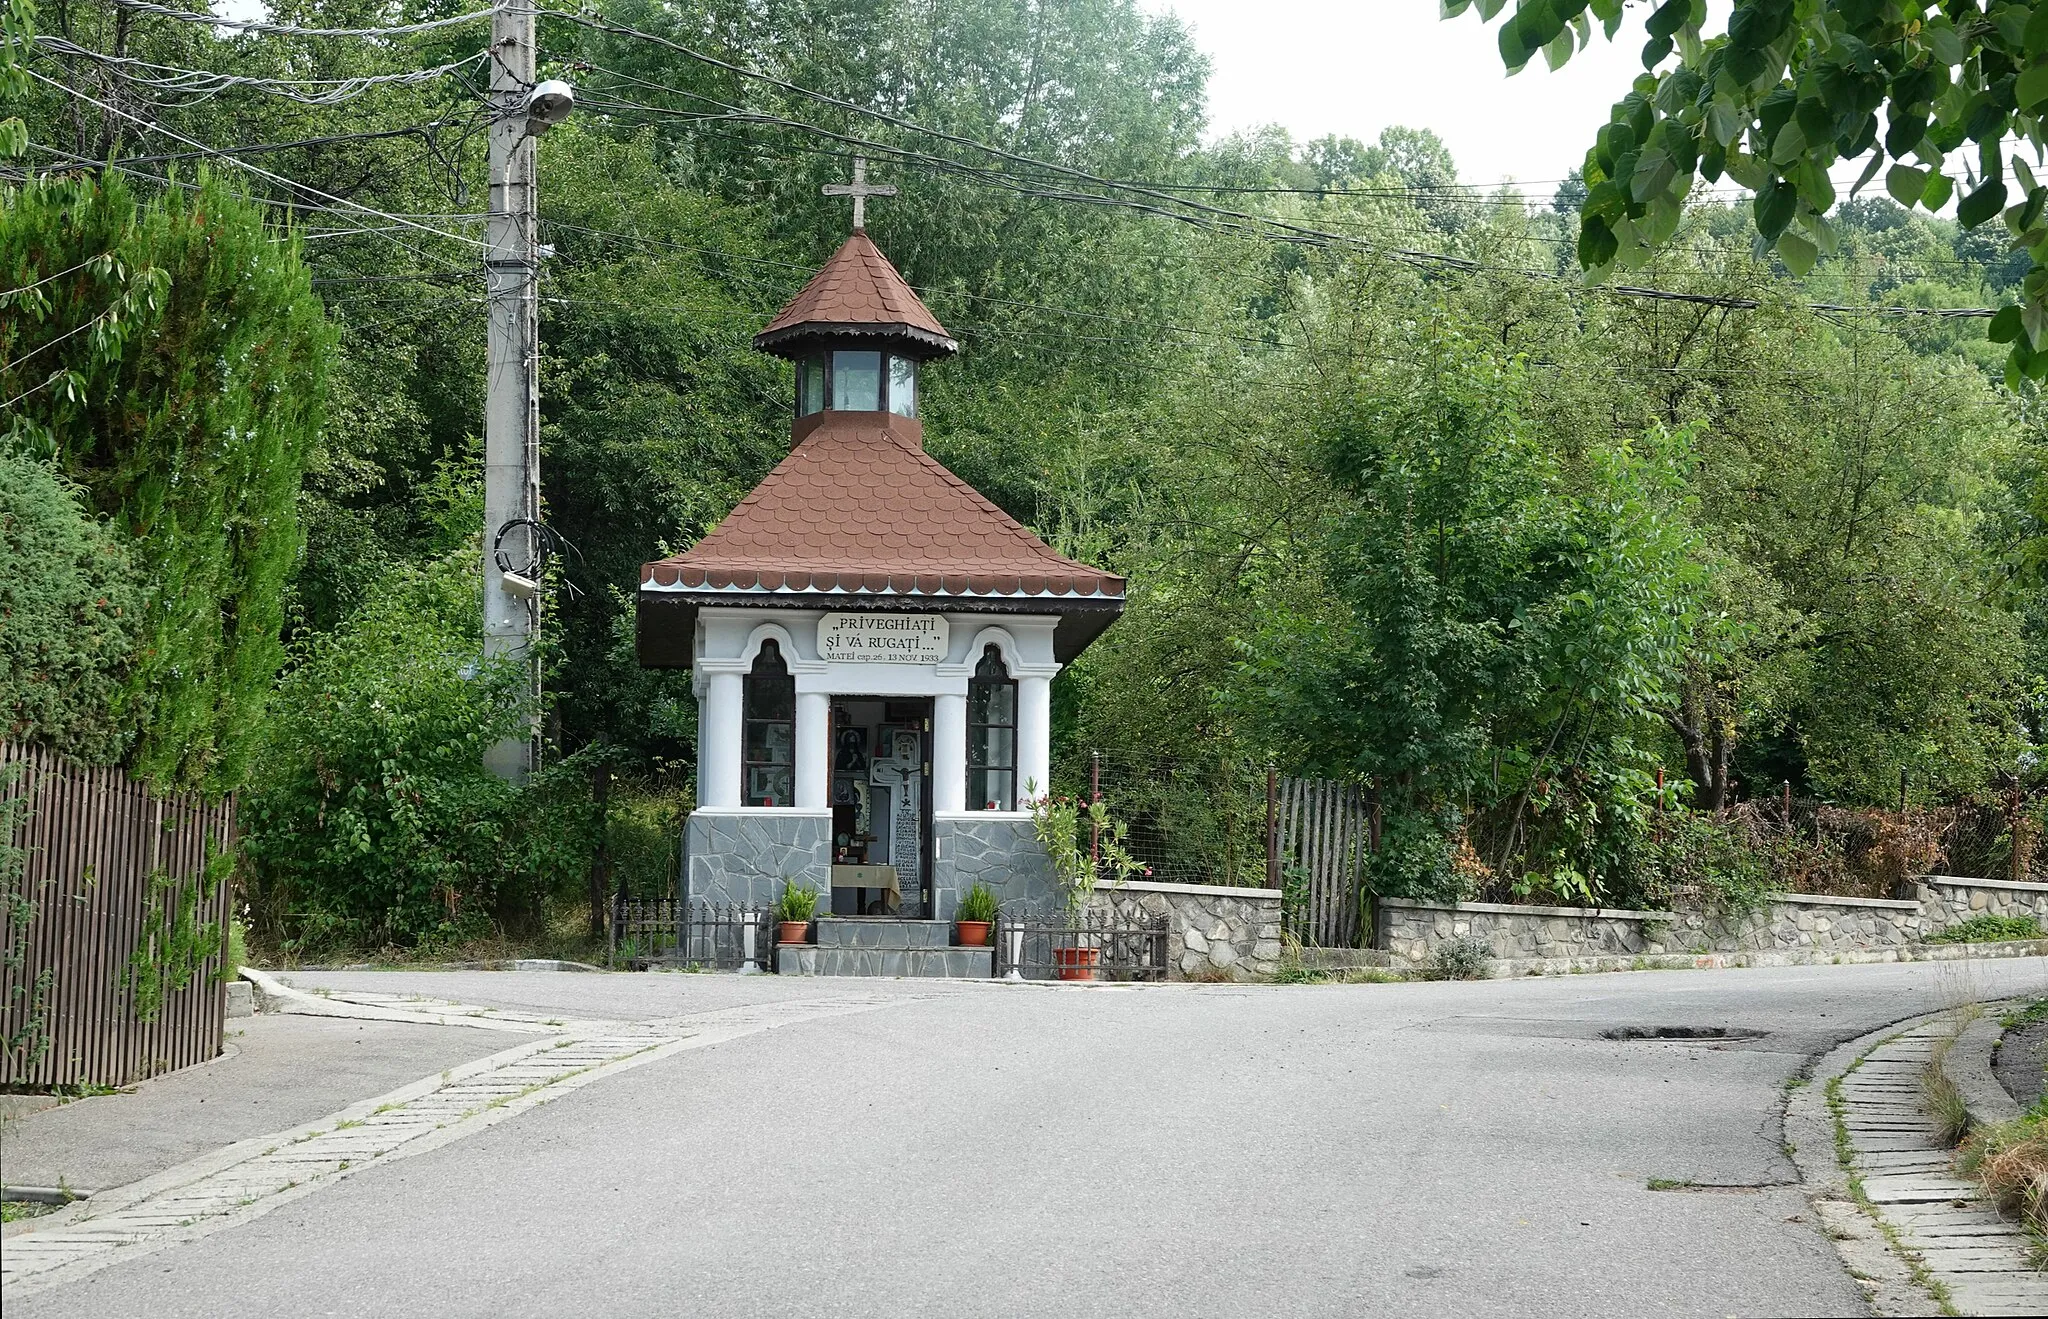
<point x="872" y="642"/>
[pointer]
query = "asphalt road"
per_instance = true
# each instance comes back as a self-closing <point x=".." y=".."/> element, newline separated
<point x="1427" y="1149"/>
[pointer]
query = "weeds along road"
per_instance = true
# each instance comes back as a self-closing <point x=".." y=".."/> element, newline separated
<point x="1472" y="1148"/>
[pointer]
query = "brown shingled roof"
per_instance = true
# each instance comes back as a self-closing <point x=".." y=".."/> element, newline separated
<point x="858" y="506"/>
<point x="857" y="291"/>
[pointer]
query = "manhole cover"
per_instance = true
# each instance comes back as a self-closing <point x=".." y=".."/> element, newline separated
<point x="1679" y="1033"/>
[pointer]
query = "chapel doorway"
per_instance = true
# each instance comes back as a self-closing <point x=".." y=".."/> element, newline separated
<point x="880" y="760"/>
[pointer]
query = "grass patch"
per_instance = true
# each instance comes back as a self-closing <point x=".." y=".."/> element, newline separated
<point x="1986" y="928"/>
<point x="13" y="1211"/>
<point x="2010" y="1161"/>
<point x="66" y="1093"/>
<point x="1944" y="1100"/>
<point x="1293" y="973"/>
<point x="2027" y="1016"/>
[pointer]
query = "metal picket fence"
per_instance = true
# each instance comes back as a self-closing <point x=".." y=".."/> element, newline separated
<point x="1092" y="949"/>
<point x="694" y="934"/>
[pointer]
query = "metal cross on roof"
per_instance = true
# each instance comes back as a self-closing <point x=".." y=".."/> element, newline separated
<point x="860" y="190"/>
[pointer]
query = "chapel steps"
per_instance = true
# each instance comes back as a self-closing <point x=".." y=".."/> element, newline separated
<point x="884" y="946"/>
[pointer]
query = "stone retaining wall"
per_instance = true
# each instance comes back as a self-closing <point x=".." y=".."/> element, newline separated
<point x="1824" y="924"/>
<point x="1413" y="931"/>
<point x="1212" y="932"/>
<point x="1949" y="901"/>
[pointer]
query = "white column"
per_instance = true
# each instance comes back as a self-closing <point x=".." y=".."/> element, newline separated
<point x="949" y="752"/>
<point x="1034" y="737"/>
<point x="718" y="740"/>
<point x="813" y="726"/>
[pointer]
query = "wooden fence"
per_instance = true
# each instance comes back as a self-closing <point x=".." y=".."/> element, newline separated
<point x="117" y="917"/>
<point x="1324" y="830"/>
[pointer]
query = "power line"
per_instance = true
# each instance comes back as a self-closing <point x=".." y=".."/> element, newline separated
<point x="204" y="83"/>
<point x="1299" y="234"/>
<point x="243" y="164"/>
<point x="17" y="292"/>
<point x="1204" y="216"/>
<point x="261" y="148"/>
<point x="923" y="292"/>
<point x="289" y="30"/>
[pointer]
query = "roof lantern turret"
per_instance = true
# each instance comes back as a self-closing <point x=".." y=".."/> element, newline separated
<point x="857" y="332"/>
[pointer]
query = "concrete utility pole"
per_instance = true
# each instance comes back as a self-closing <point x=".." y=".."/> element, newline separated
<point x="520" y="110"/>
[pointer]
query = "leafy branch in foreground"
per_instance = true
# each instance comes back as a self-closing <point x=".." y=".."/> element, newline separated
<point x="1790" y="88"/>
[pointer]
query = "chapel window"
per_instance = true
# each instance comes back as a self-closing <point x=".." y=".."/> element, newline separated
<point x="903" y="386"/>
<point x="991" y="735"/>
<point x="770" y="716"/>
<point x="856" y="382"/>
<point x="810" y="386"/>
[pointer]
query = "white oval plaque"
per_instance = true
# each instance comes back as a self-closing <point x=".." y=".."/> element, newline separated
<point x="889" y="638"/>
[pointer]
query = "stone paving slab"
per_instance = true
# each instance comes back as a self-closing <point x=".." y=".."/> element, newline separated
<point x="1916" y="1188"/>
<point x="1969" y="1259"/>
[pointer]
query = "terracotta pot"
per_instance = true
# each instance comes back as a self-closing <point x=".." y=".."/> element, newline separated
<point x="1076" y="963"/>
<point x="974" y="934"/>
<point x="793" y="932"/>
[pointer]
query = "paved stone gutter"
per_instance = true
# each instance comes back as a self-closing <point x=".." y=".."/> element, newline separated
<point x="1893" y="1162"/>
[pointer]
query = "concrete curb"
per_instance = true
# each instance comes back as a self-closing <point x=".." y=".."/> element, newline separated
<point x="1967" y="1064"/>
<point x="514" y="964"/>
<point x="273" y="995"/>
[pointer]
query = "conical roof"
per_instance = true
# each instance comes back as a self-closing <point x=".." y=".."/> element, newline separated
<point x="859" y="507"/>
<point x="857" y="292"/>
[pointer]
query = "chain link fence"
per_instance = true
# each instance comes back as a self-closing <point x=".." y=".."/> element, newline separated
<point x="1189" y="822"/>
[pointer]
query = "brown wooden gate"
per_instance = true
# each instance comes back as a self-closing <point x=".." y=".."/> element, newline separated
<point x="97" y="867"/>
<point x="1325" y="836"/>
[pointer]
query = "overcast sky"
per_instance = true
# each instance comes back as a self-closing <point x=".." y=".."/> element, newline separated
<point x="1352" y="67"/>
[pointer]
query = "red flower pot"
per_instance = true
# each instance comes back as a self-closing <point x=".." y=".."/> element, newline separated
<point x="1076" y="963"/>
<point x="974" y="934"/>
<point x="793" y="931"/>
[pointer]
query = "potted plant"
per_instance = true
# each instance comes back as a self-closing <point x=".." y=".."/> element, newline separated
<point x="1076" y="873"/>
<point x="793" y="911"/>
<point x="976" y="912"/>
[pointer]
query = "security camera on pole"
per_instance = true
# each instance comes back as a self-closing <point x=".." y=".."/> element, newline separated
<point x="521" y="110"/>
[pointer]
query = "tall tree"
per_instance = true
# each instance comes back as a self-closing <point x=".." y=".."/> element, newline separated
<point x="169" y="357"/>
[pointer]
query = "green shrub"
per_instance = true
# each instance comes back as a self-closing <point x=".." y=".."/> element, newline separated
<point x="979" y="904"/>
<point x="1465" y="958"/>
<point x="68" y="618"/>
<point x="369" y="818"/>
<point x="799" y="902"/>
<point x="1987" y="928"/>
<point x="643" y="825"/>
<point x="1714" y="860"/>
